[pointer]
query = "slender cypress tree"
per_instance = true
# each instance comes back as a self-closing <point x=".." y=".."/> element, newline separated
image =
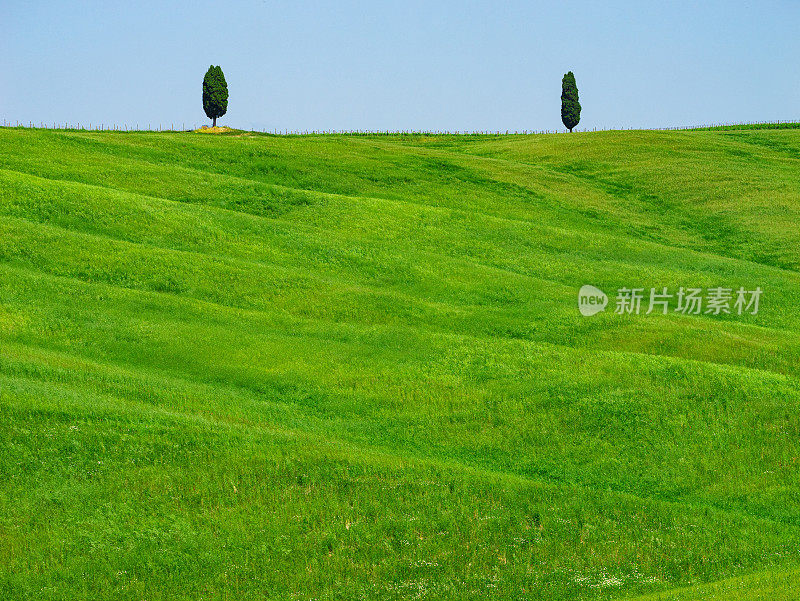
<point x="215" y="93"/>
<point x="570" y="107"/>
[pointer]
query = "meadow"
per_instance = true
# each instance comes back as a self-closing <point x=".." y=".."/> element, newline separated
<point x="248" y="366"/>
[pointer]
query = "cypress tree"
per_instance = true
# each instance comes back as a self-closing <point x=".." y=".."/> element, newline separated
<point x="570" y="107"/>
<point x="215" y="93"/>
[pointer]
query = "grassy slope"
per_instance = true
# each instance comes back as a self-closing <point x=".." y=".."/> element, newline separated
<point x="762" y="586"/>
<point x="343" y="367"/>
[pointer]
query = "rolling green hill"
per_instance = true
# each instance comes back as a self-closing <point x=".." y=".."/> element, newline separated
<point x="353" y="367"/>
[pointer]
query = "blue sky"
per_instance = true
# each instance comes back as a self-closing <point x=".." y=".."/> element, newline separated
<point x="401" y="65"/>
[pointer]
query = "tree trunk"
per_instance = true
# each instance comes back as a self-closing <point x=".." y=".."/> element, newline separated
<point x="570" y="129"/>
<point x="215" y="122"/>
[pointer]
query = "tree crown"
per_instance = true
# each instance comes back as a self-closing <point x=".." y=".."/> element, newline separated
<point x="570" y="107"/>
<point x="215" y="93"/>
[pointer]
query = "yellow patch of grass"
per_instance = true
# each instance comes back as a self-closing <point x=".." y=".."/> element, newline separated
<point x="212" y="130"/>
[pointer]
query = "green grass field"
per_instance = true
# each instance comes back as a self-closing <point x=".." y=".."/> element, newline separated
<point x="353" y="367"/>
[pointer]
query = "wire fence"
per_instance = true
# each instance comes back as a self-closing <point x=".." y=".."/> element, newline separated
<point x="136" y="127"/>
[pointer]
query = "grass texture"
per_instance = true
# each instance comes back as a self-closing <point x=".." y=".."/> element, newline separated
<point x="352" y="367"/>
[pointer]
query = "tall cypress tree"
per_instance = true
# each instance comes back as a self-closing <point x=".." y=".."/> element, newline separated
<point x="215" y="93"/>
<point x="570" y="107"/>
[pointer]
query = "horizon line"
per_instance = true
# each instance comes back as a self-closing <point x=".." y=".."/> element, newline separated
<point x="125" y="128"/>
